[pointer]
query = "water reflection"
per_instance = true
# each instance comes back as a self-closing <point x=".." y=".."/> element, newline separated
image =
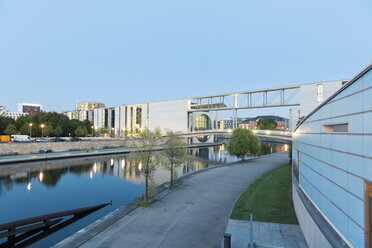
<point x="33" y="189"/>
<point x="120" y="166"/>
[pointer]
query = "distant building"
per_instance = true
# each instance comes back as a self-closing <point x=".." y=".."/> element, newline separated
<point x="13" y="115"/>
<point x="87" y="106"/>
<point x="251" y="123"/>
<point x="228" y="124"/>
<point x="29" y="108"/>
<point x="84" y="111"/>
<point x="2" y="110"/>
<point x="332" y="167"/>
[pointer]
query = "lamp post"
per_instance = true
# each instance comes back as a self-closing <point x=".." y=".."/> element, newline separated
<point x="30" y="124"/>
<point x="42" y="127"/>
<point x="92" y="127"/>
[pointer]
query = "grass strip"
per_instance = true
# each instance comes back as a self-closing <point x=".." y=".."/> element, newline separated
<point x="269" y="198"/>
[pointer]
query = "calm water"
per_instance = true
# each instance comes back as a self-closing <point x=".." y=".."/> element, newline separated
<point x="33" y="189"/>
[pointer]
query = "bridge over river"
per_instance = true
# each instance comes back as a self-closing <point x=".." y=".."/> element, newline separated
<point x="265" y="135"/>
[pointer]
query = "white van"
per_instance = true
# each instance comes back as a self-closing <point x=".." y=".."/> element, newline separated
<point x="21" y="138"/>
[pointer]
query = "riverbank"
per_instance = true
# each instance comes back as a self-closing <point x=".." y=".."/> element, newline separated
<point x="34" y="147"/>
<point x="193" y="214"/>
<point x="81" y="153"/>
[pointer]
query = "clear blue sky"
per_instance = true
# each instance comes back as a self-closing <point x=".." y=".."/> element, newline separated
<point x="117" y="52"/>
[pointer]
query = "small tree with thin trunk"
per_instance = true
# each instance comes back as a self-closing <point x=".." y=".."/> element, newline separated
<point x="175" y="153"/>
<point x="145" y="155"/>
<point x="243" y="142"/>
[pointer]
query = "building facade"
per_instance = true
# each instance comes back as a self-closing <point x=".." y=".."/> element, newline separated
<point x="332" y="168"/>
<point x="13" y="115"/>
<point x="29" y="108"/>
<point x="311" y="96"/>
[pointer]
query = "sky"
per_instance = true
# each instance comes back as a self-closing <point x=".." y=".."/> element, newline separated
<point x="124" y="52"/>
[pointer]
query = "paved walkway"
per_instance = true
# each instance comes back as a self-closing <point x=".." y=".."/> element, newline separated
<point x="194" y="214"/>
<point x="265" y="234"/>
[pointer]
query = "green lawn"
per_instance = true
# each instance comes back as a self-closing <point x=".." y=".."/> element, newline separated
<point x="269" y="198"/>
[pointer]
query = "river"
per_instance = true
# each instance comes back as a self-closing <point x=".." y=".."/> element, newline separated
<point x="32" y="189"/>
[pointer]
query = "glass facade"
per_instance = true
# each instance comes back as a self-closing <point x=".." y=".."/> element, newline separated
<point x="203" y="122"/>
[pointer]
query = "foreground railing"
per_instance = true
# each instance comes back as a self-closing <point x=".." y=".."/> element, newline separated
<point x="24" y="232"/>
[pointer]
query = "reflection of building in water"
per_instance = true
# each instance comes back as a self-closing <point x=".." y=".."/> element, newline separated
<point x="49" y="173"/>
<point x="118" y="167"/>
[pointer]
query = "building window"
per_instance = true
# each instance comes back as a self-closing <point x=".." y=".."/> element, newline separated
<point x="320" y="93"/>
<point x="296" y="164"/>
<point x="203" y="122"/>
<point x="368" y="213"/>
<point x="139" y="117"/>
<point x="336" y="128"/>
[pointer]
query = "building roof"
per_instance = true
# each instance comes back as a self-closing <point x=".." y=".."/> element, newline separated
<point x="359" y="75"/>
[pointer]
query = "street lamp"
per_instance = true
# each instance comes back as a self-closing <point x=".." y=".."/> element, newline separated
<point x="42" y="127"/>
<point x="30" y="124"/>
<point x="92" y="127"/>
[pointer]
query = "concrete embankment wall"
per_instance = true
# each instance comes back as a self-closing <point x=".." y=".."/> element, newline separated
<point x="34" y="147"/>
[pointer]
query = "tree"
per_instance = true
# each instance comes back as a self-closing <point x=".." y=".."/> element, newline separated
<point x="243" y="142"/>
<point x="145" y="155"/>
<point x="10" y="129"/>
<point x="4" y="123"/>
<point x="81" y="131"/>
<point x="103" y="131"/>
<point x="58" y="131"/>
<point x="47" y="130"/>
<point x="175" y="153"/>
<point x="267" y="124"/>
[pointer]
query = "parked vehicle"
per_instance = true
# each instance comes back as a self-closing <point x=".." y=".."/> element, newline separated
<point x="21" y="138"/>
<point x="75" y="139"/>
<point x="44" y="139"/>
<point x="58" y="139"/>
<point x="45" y="151"/>
<point x="4" y="138"/>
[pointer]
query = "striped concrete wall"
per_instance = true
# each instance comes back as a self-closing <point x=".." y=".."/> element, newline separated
<point x="333" y="166"/>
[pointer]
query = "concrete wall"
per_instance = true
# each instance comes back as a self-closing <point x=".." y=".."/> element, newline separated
<point x="27" y="148"/>
<point x="313" y="236"/>
<point x="170" y="115"/>
<point x="309" y="94"/>
<point x="294" y="116"/>
<point x="334" y="165"/>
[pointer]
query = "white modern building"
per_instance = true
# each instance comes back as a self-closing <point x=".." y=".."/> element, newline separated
<point x="332" y="167"/>
<point x="13" y="115"/>
<point x="184" y="115"/>
<point x="311" y="96"/>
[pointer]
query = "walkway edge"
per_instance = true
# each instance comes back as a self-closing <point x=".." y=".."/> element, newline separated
<point x="90" y="231"/>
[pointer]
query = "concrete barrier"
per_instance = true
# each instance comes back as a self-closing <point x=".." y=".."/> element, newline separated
<point x="35" y="147"/>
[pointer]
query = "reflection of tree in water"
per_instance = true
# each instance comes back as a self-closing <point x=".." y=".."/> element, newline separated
<point x="21" y="180"/>
<point x="51" y="177"/>
<point x="193" y="165"/>
<point x="7" y="183"/>
<point x="80" y="169"/>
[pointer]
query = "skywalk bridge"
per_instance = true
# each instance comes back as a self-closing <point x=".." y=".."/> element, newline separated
<point x="265" y="98"/>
